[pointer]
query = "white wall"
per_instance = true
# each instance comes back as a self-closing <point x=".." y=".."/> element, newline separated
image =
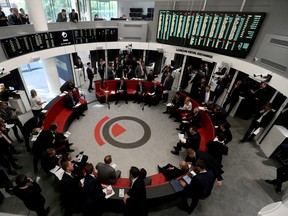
<point x="124" y="7"/>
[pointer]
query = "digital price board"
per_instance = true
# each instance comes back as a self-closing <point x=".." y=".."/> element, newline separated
<point x="228" y="33"/>
<point x="84" y="36"/>
<point x="16" y="46"/>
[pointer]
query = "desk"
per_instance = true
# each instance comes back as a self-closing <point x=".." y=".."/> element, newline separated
<point x="273" y="139"/>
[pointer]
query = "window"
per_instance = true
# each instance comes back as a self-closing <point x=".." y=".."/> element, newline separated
<point x="53" y="7"/>
<point x="104" y="9"/>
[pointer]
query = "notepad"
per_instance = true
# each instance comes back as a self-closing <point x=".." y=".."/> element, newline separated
<point x="106" y="189"/>
<point x="121" y="192"/>
<point x="181" y="138"/>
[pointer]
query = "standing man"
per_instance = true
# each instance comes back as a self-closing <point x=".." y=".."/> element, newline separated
<point x="30" y="193"/>
<point x="101" y="68"/>
<point x="140" y="70"/>
<point x="261" y="120"/>
<point x="135" y="199"/>
<point x="73" y="16"/>
<point x="62" y="17"/>
<point x="24" y="16"/>
<point x="90" y="75"/>
<point x="233" y="96"/>
<point x="3" y="18"/>
<point x="167" y="85"/>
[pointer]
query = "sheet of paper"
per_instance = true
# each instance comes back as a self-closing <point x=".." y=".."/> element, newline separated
<point x="202" y="108"/>
<point x="165" y="92"/>
<point x="121" y="192"/>
<point x="112" y="92"/>
<point x="151" y="93"/>
<point x="78" y="104"/>
<point x="106" y="91"/>
<point x="257" y="131"/>
<point x="105" y="191"/>
<point x="59" y="173"/>
<point x="8" y="126"/>
<point x="193" y="173"/>
<point x="114" y="165"/>
<point x="67" y="134"/>
<point x="181" y="138"/>
<point x="54" y="170"/>
<point x="169" y="104"/>
<point x="44" y="111"/>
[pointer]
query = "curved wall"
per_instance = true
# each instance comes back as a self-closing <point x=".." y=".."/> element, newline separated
<point x="278" y="82"/>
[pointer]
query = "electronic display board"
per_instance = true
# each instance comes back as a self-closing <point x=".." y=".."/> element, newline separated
<point x="84" y="36"/>
<point x="228" y="33"/>
<point x="16" y="46"/>
<point x="42" y="41"/>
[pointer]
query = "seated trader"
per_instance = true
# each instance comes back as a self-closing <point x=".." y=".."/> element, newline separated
<point x="9" y="115"/>
<point x="49" y="160"/>
<point x="281" y="176"/>
<point x="72" y="103"/>
<point x="199" y="188"/>
<point x="68" y="85"/>
<point x="30" y="193"/>
<point x="171" y="172"/>
<point x="193" y="141"/>
<point x="94" y="197"/>
<point x="260" y="121"/>
<point x="71" y="189"/>
<point x="192" y="119"/>
<point x="184" y="110"/>
<point x="206" y="95"/>
<point x="106" y="172"/>
<point x="153" y="96"/>
<point x="211" y="163"/>
<point x="140" y="93"/>
<point x="121" y="90"/>
<point x="177" y="101"/>
<point x="224" y="129"/>
<point x="33" y="125"/>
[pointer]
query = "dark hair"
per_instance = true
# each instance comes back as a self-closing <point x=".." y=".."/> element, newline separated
<point x="89" y="168"/>
<point x="134" y="171"/>
<point x="143" y="173"/>
<point x="21" y="180"/>
<point x="195" y="128"/>
<point x="65" y="164"/>
<point x="226" y="125"/>
<point x="108" y="159"/>
<point x="177" y="93"/>
<point x="88" y="63"/>
<point x="201" y="164"/>
<point x="221" y="137"/>
<point x="53" y="127"/>
<point x="41" y="116"/>
<point x="63" y="10"/>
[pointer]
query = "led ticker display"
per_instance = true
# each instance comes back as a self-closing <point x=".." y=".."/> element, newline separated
<point x="229" y="33"/>
<point x="21" y="45"/>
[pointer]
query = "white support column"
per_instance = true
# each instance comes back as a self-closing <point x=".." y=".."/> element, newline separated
<point x="51" y="74"/>
<point x="37" y="15"/>
<point x="182" y="71"/>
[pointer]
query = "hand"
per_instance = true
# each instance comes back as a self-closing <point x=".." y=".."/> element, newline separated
<point x="183" y="183"/>
<point x="126" y="196"/>
<point x="170" y="168"/>
<point x="218" y="183"/>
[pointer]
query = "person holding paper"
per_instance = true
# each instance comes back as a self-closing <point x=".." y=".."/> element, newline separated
<point x="140" y="93"/>
<point x="217" y="148"/>
<point x="171" y="172"/>
<point x="106" y="171"/>
<point x="94" y="197"/>
<point x="183" y="110"/>
<point x="49" y="160"/>
<point x="153" y="95"/>
<point x="199" y="188"/>
<point x="72" y="103"/>
<point x="176" y="102"/>
<point x="167" y="85"/>
<point x="192" y="119"/>
<point x="193" y="141"/>
<point x="260" y="121"/>
<point x="135" y="199"/>
<point x="68" y="85"/>
<point x="121" y="90"/>
<point x="71" y="189"/>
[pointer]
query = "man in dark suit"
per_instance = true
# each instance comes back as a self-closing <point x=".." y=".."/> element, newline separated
<point x="153" y="95"/>
<point x="71" y="190"/>
<point x="199" y="188"/>
<point x="73" y="16"/>
<point x="167" y="85"/>
<point x="193" y="141"/>
<point x="233" y="96"/>
<point x="121" y="90"/>
<point x="68" y="85"/>
<point x="217" y="148"/>
<point x="171" y="172"/>
<point x="281" y="176"/>
<point x="106" y="173"/>
<point x="176" y="102"/>
<point x="90" y="75"/>
<point x="206" y="96"/>
<point x="72" y="103"/>
<point x="261" y="120"/>
<point x="94" y="197"/>
<point x="135" y="199"/>
<point x="33" y="125"/>
<point x="140" y="70"/>
<point x="49" y="160"/>
<point x="101" y="68"/>
<point x="140" y="92"/>
<point x="198" y="86"/>
<point x="30" y="193"/>
<point x="211" y="163"/>
<point x="192" y="119"/>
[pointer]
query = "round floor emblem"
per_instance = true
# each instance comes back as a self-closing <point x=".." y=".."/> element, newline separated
<point x="107" y="136"/>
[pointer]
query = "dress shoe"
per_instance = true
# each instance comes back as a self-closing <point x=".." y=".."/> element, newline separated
<point x="126" y="102"/>
<point x="16" y="166"/>
<point x="175" y="147"/>
<point x="175" y="152"/>
<point x="270" y="181"/>
<point x="89" y="91"/>
<point x="178" y="129"/>
<point x="70" y="144"/>
<point x="242" y="141"/>
<point x="145" y="104"/>
<point x="149" y="105"/>
<point x="70" y="150"/>
<point x="116" y="102"/>
<point x="170" y="116"/>
<point x="165" y="112"/>
<point x="138" y="102"/>
<point x="78" y="117"/>
<point x="82" y="152"/>
<point x="108" y="105"/>
<point x="19" y="140"/>
<point x="183" y="208"/>
<point x="47" y="211"/>
<point x="82" y="114"/>
<point x="278" y="189"/>
<point x="134" y="101"/>
<point x="176" y="120"/>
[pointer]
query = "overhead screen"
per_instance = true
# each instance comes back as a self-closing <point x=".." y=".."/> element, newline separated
<point x="228" y="33"/>
<point x="21" y="45"/>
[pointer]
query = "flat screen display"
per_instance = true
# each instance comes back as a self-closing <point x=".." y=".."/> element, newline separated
<point x="228" y="33"/>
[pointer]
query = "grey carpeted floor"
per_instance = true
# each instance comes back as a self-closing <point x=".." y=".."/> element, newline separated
<point x="243" y="192"/>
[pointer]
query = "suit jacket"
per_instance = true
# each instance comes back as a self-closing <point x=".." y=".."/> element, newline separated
<point x="32" y="123"/>
<point x="131" y="74"/>
<point x="6" y="114"/>
<point x="178" y="102"/>
<point x="171" y="173"/>
<point x="45" y="140"/>
<point x="217" y="149"/>
<point x="72" y="18"/>
<point x="234" y="94"/>
<point x="90" y="73"/>
<point x="66" y="87"/>
<point x="143" y="89"/>
<point x="138" y="71"/>
<point x="93" y="191"/>
<point x="106" y="173"/>
<point x="156" y="90"/>
<point x="124" y="88"/>
<point x="203" y="93"/>
<point x="136" y="204"/>
<point x="70" y="190"/>
<point x="196" y="120"/>
<point x="71" y="102"/>
<point x="168" y="84"/>
<point x="193" y="141"/>
<point x="60" y="18"/>
<point x="227" y="134"/>
<point x="265" y="119"/>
